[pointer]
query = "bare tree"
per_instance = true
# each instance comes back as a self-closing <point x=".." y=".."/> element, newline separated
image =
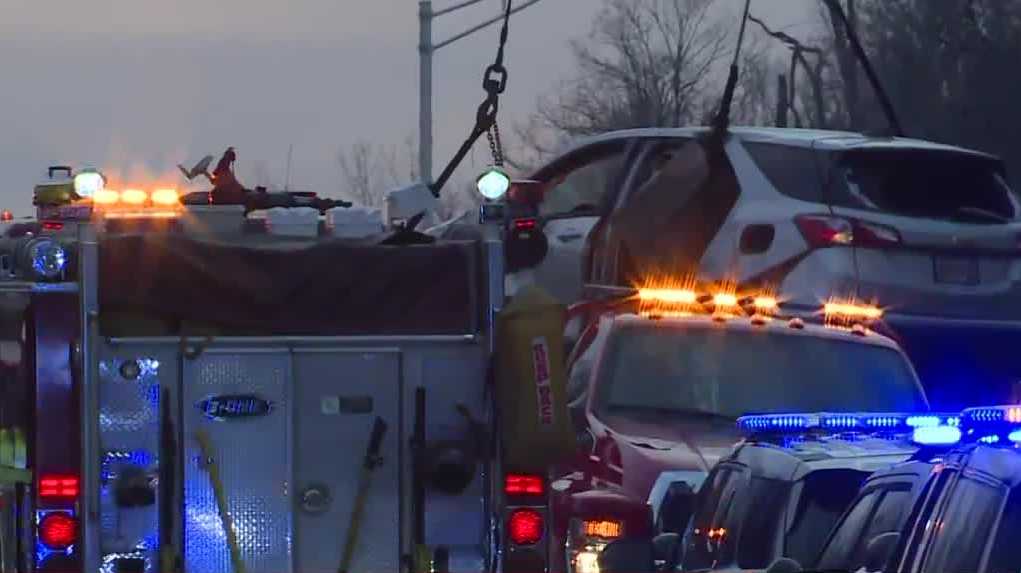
<point x="799" y="58"/>
<point x="364" y="174"/>
<point x="646" y="63"/>
<point x="261" y="174"/>
<point x="950" y="68"/>
<point x="368" y="171"/>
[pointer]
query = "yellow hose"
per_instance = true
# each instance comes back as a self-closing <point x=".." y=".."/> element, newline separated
<point x="206" y="445"/>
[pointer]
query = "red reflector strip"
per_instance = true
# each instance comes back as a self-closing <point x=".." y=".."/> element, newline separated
<point x="524" y="224"/>
<point x="58" y="486"/>
<point x="52" y="225"/>
<point x="523" y="484"/>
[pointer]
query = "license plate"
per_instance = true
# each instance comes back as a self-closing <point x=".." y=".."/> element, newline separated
<point x="956" y="270"/>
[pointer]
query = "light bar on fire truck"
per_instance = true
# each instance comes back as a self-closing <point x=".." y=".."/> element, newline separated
<point x="131" y="201"/>
<point x="924" y="429"/>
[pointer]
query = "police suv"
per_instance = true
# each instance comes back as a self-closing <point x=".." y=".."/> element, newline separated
<point x="961" y="514"/>
<point x="772" y="502"/>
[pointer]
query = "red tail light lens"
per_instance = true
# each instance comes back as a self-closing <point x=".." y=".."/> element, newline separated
<point x="52" y="225"/>
<point x="524" y="224"/>
<point x="873" y="235"/>
<point x="822" y="231"/>
<point x="523" y="484"/>
<point x="58" y="486"/>
<point x="525" y="527"/>
<point x="58" y="530"/>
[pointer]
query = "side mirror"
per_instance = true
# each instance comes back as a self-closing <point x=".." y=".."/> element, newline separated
<point x="784" y="565"/>
<point x="628" y="556"/>
<point x="668" y="551"/>
<point x="879" y="550"/>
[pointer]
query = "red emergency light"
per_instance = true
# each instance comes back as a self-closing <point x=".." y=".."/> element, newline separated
<point x="58" y="486"/>
<point x="523" y="484"/>
<point x="58" y="530"/>
<point x="525" y="527"/>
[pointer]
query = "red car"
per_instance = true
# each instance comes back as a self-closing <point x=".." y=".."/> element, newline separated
<point x="656" y="393"/>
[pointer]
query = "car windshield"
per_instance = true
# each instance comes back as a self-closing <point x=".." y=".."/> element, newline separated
<point x="714" y="371"/>
<point x="933" y="185"/>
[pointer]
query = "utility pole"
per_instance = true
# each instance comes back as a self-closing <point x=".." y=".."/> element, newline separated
<point x="426" y="49"/>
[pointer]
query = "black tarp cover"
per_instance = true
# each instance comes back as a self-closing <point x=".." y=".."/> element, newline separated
<point x="333" y="288"/>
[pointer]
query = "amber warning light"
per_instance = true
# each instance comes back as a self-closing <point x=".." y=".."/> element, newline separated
<point x="852" y="311"/>
<point x="605" y="528"/>
<point x="137" y="202"/>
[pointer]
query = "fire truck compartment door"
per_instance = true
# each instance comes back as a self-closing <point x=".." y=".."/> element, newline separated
<point x="338" y="394"/>
<point x="240" y="398"/>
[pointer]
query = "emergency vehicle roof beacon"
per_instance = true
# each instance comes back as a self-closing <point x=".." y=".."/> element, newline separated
<point x="127" y="386"/>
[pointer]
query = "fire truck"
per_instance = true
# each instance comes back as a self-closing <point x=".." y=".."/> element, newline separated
<point x="264" y="383"/>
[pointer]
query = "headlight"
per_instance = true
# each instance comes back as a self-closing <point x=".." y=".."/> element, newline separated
<point x="587" y="560"/>
<point x="48" y="258"/>
<point x="587" y="539"/>
<point x="88" y="182"/>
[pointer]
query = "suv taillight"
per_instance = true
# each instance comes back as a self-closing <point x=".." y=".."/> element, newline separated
<point x="821" y="231"/>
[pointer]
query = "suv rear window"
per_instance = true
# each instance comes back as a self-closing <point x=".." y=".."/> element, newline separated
<point x="925" y="184"/>
<point x="792" y="170"/>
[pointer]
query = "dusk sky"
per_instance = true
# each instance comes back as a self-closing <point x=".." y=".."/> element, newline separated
<point x="140" y="85"/>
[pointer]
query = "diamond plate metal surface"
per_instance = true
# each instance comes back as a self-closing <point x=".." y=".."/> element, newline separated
<point x="253" y="457"/>
<point x="129" y="435"/>
<point x="333" y="444"/>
